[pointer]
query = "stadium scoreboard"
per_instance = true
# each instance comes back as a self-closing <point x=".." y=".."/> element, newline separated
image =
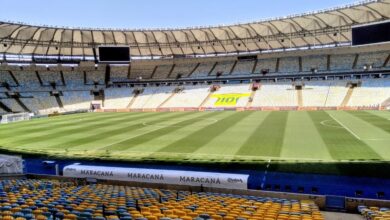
<point x="371" y="33"/>
<point x="114" y="54"/>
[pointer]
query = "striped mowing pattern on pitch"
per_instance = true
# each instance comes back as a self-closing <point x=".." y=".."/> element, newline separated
<point x="217" y="136"/>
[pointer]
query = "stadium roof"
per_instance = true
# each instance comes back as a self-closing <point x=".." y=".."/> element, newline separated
<point x="319" y="28"/>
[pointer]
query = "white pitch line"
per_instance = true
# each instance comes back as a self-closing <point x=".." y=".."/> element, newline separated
<point x="346" y="128"/>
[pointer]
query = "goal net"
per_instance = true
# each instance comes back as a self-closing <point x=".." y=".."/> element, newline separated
<point x="15" y="117"/>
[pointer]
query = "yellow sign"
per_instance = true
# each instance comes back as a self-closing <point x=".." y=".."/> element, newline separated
<point x="229" y="99"/>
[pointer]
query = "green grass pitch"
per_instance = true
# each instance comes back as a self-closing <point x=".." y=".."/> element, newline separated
<point x="306" y="136"/>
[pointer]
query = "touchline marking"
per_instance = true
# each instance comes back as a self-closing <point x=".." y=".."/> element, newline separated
<point x="333" y="126"/>
<point x="346" y="128"/>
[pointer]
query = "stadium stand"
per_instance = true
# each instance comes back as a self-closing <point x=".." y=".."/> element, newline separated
<point x="203" y="70"/>
<point x="162" y="71"/>
<point x="243" y="67"/>
<point x="183" y="69"/>
<point x="318" y="62"/>
<point x="191" y="97"/>
<point x="275" y="95"/>
<point x="5" y="77"/>
<point x="12" y="104"/>
<point x="289" y="65"/>
<point x="28" y="80"/>
<point x="142" y="71"/>
<point x="74" y="80"/>
<point x="118" y="98"/>
<point x="51" y="199"/>
<point x="337" y="92"/>
<point x="119" y="73"/>
<point x="49" y="77"/>
<point x="152" y="97"/>
<point x="76" y="100"/>
<point x="374" y="213"/>
<point x="95" y="76"/>
<point x="47" y="103"/>
<point x="370" y="93"/>
<point x="315" y="93"/>
<point x="375" y="60"/>
<point x="229" y="89"/>
<point x="342" y="62"/>
<point x="222" y="68"/>
<point x="266" y="64"/>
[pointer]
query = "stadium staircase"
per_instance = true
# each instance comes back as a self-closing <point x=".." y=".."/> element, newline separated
<point x="5" y="108"/>
<point x="347" y="97"/>
<point x="132" y="100"/>
<point x="386" y="103"/>
<point x="249" y="103"/>
<point x="59" y="102"/>
<point x="299" y="97"/>
<point x="22" y="105"/>
<point x="167" y="100"/>
<point x="206" y="99"/>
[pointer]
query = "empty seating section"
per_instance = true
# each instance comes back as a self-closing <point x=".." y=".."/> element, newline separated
<point x="376" y="60"/>
<point x="118" y="73"/>
<point x="266" y="64"/>
<point x="159" y="96"/>
<point x="316" y="62"/>
<point x="183" y="69"/>
<point x="32" y="103"/>
<point x="49" y="77"/>
<point x="374" y="213"/>
<point x="28" y="80"/>
<point x="141" y="71"/>
<point x="341" y="61"/>
<point x="162" y="72"/>
<point x="117" y="98"/>
<point x="95" y="76"/>
<point x="243" y="67"/>
<point x="191" y="97"/>
<point x="74" y="80"/>
<point x="223" y="68"/>
<point x="5" y="77"/>
<point x="48" y="103"/>
<point x="275" y="95"/>
<point x="76" y="100"/>
<point x="202" y="70"/>
<point x="371" y="93"/>
<point x="315" y="94"/>
<point x="41" y="199"/>
<point x="12" y="104"/>
<point x="337" y="92"/>
<point x="76" y="83"/>
<point x="288" y="65"/>
<point x="152" y="97"/>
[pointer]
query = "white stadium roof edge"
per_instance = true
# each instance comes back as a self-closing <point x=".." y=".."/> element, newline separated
<point x="315" y="29"/>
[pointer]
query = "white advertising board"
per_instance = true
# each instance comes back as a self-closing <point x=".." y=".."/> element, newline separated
<point x="176" y="177"/>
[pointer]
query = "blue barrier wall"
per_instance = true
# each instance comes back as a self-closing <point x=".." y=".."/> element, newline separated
<point x="258" y="179"/>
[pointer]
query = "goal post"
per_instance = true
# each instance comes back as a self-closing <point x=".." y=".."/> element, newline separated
<point x="9" y="118"/>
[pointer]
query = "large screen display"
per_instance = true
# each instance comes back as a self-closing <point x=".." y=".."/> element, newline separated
<point x="370" y="34"/>
<point x="114" y="54"/>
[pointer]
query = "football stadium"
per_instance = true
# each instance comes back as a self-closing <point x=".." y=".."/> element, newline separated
<point x="285" y="118"/>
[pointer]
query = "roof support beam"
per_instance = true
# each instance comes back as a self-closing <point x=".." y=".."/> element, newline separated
<point x="216" y="39"/>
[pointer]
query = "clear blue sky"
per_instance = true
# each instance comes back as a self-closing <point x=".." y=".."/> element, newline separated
<point x="153" y="13"/>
